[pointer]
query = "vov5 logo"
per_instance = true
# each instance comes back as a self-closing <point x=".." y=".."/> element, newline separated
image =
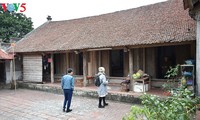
<point x="18" y="7"/>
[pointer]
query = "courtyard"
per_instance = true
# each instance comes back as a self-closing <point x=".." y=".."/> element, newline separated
<point x="24" y="104"/>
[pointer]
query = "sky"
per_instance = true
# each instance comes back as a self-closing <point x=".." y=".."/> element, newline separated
<point x="38" y="10"/>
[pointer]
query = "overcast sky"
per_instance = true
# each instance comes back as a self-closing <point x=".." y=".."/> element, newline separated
<point x="38" y="10"/>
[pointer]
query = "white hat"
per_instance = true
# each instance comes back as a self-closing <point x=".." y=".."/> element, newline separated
<point x="102" y="69"/>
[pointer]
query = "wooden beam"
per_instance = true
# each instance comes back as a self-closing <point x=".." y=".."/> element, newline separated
<point x="98" y="49"/>
<point x="162" y="44"/>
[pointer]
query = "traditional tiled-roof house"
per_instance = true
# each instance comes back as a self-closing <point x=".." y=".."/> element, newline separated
<point x="122" y="42"/>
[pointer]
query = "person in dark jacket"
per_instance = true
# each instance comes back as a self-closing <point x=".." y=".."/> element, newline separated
<point x="67" y="84"/>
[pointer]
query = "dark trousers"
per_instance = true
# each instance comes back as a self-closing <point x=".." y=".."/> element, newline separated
<point x="104" y="101"/>
<point x="68" y="97"/>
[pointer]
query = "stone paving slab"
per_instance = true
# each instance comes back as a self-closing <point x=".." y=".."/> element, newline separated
<point x="24" y="104"/>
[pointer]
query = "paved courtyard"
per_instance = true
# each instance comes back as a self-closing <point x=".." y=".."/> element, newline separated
<point x="24" y="104"/>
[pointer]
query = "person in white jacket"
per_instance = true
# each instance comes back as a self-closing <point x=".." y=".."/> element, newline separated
<point x="102" y="89"/>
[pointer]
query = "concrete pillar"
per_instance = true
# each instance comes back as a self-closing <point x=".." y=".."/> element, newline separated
<point x="198" y="55"/>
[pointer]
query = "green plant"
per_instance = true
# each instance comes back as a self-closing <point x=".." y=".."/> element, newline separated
<point x="180" y="106"/>
<point x="171" y="75"/>
<point x="138" y="113"/>
<point x="172" y="72"/>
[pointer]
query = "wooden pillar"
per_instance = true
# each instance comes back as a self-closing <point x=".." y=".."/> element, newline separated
<point x="14" y="71"/>
<point x="138" y="59"/>
<point x="144" y="60"/>
<point x="131" y="68"/>
<point x="52" y="69"/>
<point x="90" y="63"/>
<point x="67" y="60"/>
<point x="94" y="65"/>
<point x="99" y="58"/>
<point x="11" y="70"/>
<point x="84" y="68"/>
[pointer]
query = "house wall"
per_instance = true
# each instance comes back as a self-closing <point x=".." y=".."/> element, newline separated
<point x="181" y="53"/>
<point x="139" y="59"/>
<point x="32" y="68"/>
<point x="60" y="63"/>
<point x="92" y="63"/>
<point x="105" y="61"/>
<point x="150" y="62"/>
<point x="189" y="53"/>
<point x="98" y="63"/>
<point x="143" y="58"/>
<point x="76" y="64"/>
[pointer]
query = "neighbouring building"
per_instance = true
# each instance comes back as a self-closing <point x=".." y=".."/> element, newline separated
<point x="5" y="70"/>
<point x="8" y="64"/>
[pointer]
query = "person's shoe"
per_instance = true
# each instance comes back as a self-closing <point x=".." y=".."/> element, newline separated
<point x="69" y="110"/>
<point x="63" y="109"/>
<point x="106" y="104"/>
<point x="101" y="106"/>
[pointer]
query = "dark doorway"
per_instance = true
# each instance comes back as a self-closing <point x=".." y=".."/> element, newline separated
<point x="117" y="63"/>
<point x="166" y="58"/>
<point x="2" y="71"/>
<point x="46" y="67"/>
<point x="80" y="62"/>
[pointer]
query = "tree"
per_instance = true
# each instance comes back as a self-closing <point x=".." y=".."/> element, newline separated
<point x="13" y="24"/>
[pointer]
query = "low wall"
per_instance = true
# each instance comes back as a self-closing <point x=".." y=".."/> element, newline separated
<point x="159" y="82"/>
<point x="81" y="92"/>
